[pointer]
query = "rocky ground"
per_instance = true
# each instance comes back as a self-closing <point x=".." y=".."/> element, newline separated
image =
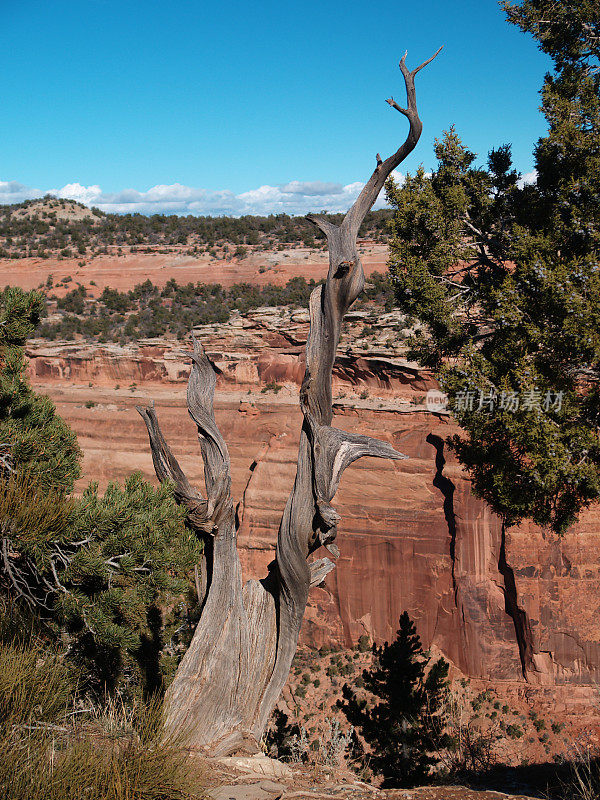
<point x="122" y="270"/>
<point x="260" y="778"/>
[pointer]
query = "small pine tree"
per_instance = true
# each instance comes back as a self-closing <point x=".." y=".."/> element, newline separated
<point x="123" y="590"/>
<point x="32" y="436"/>
<point x="405" y="728"/>
<point x="103" y="575"/>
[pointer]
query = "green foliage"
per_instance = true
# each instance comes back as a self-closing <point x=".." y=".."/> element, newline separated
<point x="272" y="386"/>
<point x="507" y="282"/>
<point x="147" y="311"/>
<point x="405" y="728"/>
<point x="51" y="229"/>
<point x="73" y="300"/>
<point x="119" y="584"/>
<point x="568" y="31"/>
<point x="98" y="572"/>
<point x="31" y="434"/>
<point x="514" y="731"/>
<point x="435" y="253"/>
<point x="281" y="735"/>
<point x="567" y="159"/>
<point x="35" y="686"/>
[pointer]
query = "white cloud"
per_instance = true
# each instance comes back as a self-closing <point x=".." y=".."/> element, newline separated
<point x="295" y="197"/>
<point x="312" y="188"/>
<point x="13" y="192"/>
<point x="75" y="191"/>
<point x="527" y="178"/>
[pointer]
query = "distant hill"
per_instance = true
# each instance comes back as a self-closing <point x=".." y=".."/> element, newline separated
<point x="49" y="226"/>
<point x="50" y="209"/>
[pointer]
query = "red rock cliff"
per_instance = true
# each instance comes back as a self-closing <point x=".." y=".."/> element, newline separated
<point x="500" y="605"/>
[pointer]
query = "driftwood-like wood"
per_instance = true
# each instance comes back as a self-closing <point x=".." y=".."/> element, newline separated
<point x="239" y="659"/>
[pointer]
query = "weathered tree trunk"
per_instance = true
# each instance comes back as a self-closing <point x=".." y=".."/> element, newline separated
<point x="240" y="656"/>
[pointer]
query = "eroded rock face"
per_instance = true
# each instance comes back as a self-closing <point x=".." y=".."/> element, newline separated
<point x="413" y="536"/>
<point x="264" y="346"/>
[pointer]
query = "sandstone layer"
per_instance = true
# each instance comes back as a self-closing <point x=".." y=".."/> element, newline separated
<point x="516" y="607"/>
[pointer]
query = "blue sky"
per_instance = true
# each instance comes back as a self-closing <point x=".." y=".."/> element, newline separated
<point x="247" y="106"/>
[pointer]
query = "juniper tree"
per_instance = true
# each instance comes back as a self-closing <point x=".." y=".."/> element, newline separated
<point x="567" y="159"/>
<point x="32" y="436"/>
<point x="507" y="282"/>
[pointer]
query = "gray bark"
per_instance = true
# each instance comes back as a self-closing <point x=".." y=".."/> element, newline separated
<point x="239" y="659"/>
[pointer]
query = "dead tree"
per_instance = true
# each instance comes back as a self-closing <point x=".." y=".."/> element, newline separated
<point x="239" y="659"/>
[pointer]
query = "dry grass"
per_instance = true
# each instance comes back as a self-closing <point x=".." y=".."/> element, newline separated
<point x="51" y="751"/>
<point x="584" y="783"/>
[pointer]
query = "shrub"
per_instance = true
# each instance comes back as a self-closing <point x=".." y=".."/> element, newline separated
<point x="48" y="753"/>
<point x="97" y="569"/>
<point x="35" y="686"/>
<point x="272" y="386"/>
<point x="514" y="731"/>
<point x="406" y="727"/>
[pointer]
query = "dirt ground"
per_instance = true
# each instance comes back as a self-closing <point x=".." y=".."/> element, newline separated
<point x="125" y="271"/>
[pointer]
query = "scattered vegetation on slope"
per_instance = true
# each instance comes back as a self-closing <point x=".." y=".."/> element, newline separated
<point x="55" y="227"/>
<point x="466" y="733"/>
<point x="147" y="311"/>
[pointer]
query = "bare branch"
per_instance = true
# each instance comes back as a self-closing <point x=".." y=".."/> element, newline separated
<point x="167" y="468"/>
<point x="203" y="515"/>
<point x="200" y="396"/>
<point x="319" y="570"/>
<point x="239" y="659"/>
<point x="166" y="465"/>
<point x="324" y="225"/>
<point x="338" y="449"/>
<point x="20" y="586"/>
<point x="375" y="184"/>
<point x="309" y="520"/>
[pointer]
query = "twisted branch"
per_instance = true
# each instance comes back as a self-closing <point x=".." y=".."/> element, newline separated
<point x="240" y="656"/>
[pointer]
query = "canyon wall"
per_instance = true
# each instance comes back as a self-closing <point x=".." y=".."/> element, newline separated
<point x="517" y="607"/>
